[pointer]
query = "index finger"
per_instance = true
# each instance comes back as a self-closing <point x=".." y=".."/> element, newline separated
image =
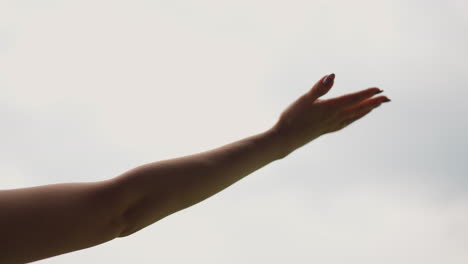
<point x="351" y="99"/>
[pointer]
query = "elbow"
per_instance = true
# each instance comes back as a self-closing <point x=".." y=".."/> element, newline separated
<point x="142" y="213"/>
<point x="134" y="211"/>
<point x="138" y="202"/>
<point x="124" y="232"/>
<point x="114" y="197"/>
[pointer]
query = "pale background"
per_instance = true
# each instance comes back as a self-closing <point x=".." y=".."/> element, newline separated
<point x="90" y="89"/>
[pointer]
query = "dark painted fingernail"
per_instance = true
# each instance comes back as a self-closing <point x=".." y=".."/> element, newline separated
<point x="386" y="100"/>
<point x="329" y="79"/>
<point x="379" y="91"/>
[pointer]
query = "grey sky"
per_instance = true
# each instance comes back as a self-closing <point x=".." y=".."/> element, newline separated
<point x="90" y="89"/>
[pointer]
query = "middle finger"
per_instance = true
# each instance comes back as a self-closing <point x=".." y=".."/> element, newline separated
<point x="362" y="107"/>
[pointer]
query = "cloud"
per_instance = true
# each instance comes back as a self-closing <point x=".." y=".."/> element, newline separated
<point x="90" y="89"/>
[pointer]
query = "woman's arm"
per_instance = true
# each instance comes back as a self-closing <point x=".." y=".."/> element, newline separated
<point x="45" y="221"/>
<point x="178" y="183"/>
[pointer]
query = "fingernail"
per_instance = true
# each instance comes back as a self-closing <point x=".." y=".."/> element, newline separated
<point x="380" y="91"/>
<point x="329" y="79"/>
<point x="386" y="100"/>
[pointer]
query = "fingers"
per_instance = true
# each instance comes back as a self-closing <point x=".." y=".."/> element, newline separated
<point x="351" y="99"/>
<point x="358" y="111"/>
<point x="321" y="87"/>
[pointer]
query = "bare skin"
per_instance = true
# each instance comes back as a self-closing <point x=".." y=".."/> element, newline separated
<point x="45" y="221"/>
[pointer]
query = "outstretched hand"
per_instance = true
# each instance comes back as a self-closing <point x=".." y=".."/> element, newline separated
<point x="309" y="117"/>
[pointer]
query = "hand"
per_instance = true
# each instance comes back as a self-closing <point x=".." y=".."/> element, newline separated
<point x="309" y="117"/>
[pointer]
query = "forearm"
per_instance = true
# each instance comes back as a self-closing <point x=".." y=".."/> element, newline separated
<point x="157" y="189"/>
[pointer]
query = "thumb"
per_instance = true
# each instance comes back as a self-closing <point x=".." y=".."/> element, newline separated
<point x="322" y="86"/>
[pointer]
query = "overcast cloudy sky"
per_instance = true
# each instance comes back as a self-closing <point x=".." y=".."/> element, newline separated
<point x="90" y="89"/>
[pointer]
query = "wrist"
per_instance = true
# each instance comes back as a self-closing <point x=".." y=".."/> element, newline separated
<point x="279" y="140"/>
